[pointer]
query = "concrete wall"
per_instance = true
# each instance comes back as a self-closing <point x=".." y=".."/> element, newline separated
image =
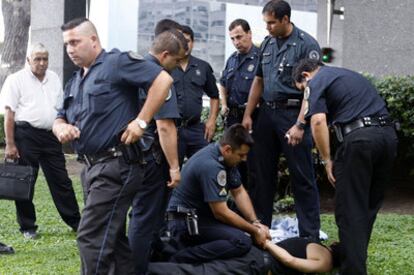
<point x="46" y="19"/>
<point x="376" y="35"/>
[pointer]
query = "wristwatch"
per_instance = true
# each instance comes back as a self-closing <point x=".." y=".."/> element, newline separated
<point x="300" y="124"/>
<point x="141" y="123"/>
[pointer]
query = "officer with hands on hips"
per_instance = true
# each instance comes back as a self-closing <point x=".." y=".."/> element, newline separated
<point x="162" y="170"/>
<point x="280" y="127"/>
<point x="206" y="179"/>
<point x="101" y="117"/>
<point x="239" y="72"/>
<point x="363" y="162"/>
<point x="192" y="79"/>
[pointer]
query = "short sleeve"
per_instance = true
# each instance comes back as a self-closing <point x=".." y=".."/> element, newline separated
<point x="137" y="72"/>
<point x="213" y="182"/>
<point x="223" y="78"/>
<point x="234" y="178"/>
<point x="211" y="87"/>
<point x="316" y="95"/>
<point x="169" y="110"/>
<point x="10" y="93"/>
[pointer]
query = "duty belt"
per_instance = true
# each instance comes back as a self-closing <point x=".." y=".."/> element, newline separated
<point x="284" y="104"/>
<point x="183" y="123"/>
<point x="369" y="121"/>
<point x="92" y="159"/>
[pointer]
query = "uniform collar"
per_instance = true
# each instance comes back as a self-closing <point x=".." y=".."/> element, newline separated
<point x="152" y="58"/>
<point x="292" y="39"/>
<point x="220" y="157"/>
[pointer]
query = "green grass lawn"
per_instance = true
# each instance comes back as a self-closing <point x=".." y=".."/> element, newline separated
<point x="391" y="249"/>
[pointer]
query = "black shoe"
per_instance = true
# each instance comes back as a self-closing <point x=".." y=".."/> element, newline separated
<point x="30" y="234"/>
<point x="5" y="249"/>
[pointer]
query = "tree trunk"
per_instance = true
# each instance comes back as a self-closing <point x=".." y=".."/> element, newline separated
<point x="16" y="14"/>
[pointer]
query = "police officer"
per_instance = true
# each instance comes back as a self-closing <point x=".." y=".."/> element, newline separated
<point x="237" y="78"/>
<point x="363" y="162"/>
<point x="206" y="180"/>
<point x="192" y="79"/>
<point x="280" y="126"/>
<point x="239" y="72"/>
<point x="161" y="170"/>
<point x="101" y="116"/>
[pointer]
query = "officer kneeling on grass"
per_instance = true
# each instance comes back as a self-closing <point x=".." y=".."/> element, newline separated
<point x="363" y="162"/>
<point x="198" y="215"/>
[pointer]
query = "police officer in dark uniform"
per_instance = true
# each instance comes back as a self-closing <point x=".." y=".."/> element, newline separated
<point x="237" y="78"/>
<point x="161" y="170"/>
<point x="207" y="178"/>
<point x="192" y="79"/>
<point x="101" y="116"/>
<point x="363" y="162"/>
<point x="280" y="125"/>
<point x="239" y="72"/>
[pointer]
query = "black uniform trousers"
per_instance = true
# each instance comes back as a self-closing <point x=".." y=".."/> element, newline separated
<point x="148" y="212"/>
<point x="110" y="187"/>
<point x="362" y="168"/>
<point x="269" y="135"/>
<point x="190" y="140"/>
<point x="216" y="240"/>
<point x="40" y="147"/>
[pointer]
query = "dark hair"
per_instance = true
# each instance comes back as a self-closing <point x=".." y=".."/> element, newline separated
<point x="73" y="23"/>
<point x="189" y="31"/>
<point x="305" y="65"/>
<point x="235" y="136"/>
<point x="240" y="22"/>
<point x="171" y="41"/>
<point x="336" y="254"/>
<point x="166" y="25"/>
<point x="277" y="8"/>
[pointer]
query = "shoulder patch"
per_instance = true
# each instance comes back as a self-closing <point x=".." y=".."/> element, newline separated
<point x="135" y="56"/>
<point x="306" y="101"/>
<point x="314" y="54"/>
<point x="222" y="178"/>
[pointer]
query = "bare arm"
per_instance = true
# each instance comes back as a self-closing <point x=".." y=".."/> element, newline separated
<point x="255" y="93"/>
<point x="320" y="133"/>
<point x="222" y="213"/>
<point x="168" y="140"/>
<point x="155" y="98"/>
<point x="223" y="98"/>
<point x="211" y="121"/>
<point x="11" y="151"/>
<point x="244" y="203"/>
<point x="319" y="262"/>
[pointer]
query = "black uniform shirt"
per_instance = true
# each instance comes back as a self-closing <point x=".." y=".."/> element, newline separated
<point x="276" y="64"/>
<point x="204" y="179"/>
<point x="191" y="84"/>
<point x="238" y="75"/>
<point x="106" y="99"/>
<point x="343" y="95"/>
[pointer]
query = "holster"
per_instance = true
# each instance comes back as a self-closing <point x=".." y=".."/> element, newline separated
<point x="191" y="220"/>
<point x="132" y="153"/>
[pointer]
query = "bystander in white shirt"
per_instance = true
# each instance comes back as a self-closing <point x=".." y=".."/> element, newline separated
<point x="32" y="100"/>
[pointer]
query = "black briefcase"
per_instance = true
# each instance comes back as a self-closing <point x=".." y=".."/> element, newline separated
<point x="16" y="181"/>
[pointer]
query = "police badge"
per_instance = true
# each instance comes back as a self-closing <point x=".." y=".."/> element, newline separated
<point x="198" y="72"/>
<point x="250" y="68"/>
<point x="222" y="178"/>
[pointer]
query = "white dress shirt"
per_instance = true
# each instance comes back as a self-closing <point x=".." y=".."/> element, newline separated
<point x="32" y="100"/>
